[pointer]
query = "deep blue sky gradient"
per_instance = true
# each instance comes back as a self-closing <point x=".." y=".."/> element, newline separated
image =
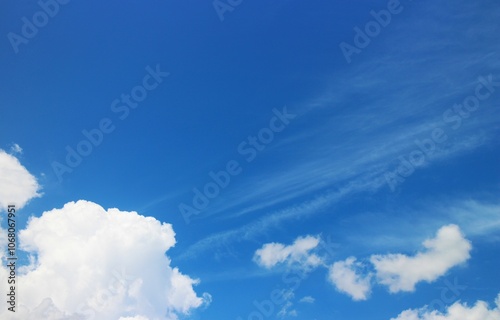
<point x="326" y="167"/>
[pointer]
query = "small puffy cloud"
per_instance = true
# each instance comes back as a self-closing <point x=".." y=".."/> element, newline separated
<point x="287" y="308"/>
<point x="345" y="276"/>
<point x="287" y="311"/>
<point x="307" y="299"/>
<point x="92" y="263"/>
<point x="299" y="253"/>
<point x="401" y="272"/>
<point x="15" y="148"/>
<point x="207" y="299"/>
<point x="457" y="311"/>
<point x="17" y="185"/>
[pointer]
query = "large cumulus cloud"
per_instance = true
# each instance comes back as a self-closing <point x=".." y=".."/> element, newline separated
<point x="92" y="263"/>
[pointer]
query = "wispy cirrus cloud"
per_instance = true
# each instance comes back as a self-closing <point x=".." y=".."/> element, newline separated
<point x="369" y="116"/>
<point x="273" y="219"/>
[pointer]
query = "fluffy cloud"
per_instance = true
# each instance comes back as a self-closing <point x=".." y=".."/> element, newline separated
<point x="297" y="253"/>
<point x="15" y="148"/>
<point x="401" y="272"/>
<point x="91" y="263"/>
<point x="457" y="311"/>
<point x="307" y="299"/>
<point x="287" y="310"/>
<point x="17" y="185"/>
<point x="344" y="275"/>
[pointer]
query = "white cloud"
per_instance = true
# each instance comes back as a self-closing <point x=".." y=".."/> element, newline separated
<point x="346" y="278"/>
<point x="401" y="272"/>
<point x="17" y="185"/>
<point x="287" y="308"/>
<point x="134" y="318"/>
<point x="397" y="271"/>
<point x="207" y="299"/>
<point x="287" y="311"/>
<point x="90" y="263"/>
<point x="475" y="217"/>
<point x="299" y="253"/>
<point x="307" y="299"/>
<point x="15" y="148"/>
<point x="457" y="311"/>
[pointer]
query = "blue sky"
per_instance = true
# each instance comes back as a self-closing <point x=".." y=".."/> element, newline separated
<point x="357" y="183"/>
